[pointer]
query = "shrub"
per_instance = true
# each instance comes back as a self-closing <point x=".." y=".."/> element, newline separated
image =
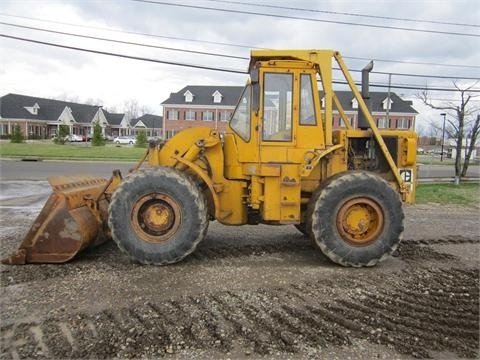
<point x="97" y="138"/>
<point x="17" y="135"/>
<point x="63" y="132"/>
<point x="141" y="139"/>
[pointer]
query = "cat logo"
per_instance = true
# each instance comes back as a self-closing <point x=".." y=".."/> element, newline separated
<point x="406" y="175"/>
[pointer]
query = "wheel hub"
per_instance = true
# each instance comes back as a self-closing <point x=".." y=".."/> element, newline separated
<point x="360" y="221"/>
<point x="156" y="217"/>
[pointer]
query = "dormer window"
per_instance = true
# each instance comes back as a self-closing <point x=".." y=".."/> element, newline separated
<point x="217" y="97"/>
<point x="33" y="109"/>
<point x="354" y="103"/>
<point x="188" y="96"/>
<point x="387" y="104"/>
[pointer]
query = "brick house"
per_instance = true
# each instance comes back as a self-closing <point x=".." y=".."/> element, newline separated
<point x="394" y="114"/>
<point x="40" y="118"/>
<point x="199" y="105"/>
<point x="213" y="105"/>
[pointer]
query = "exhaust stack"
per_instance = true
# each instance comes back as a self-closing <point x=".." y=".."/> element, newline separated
<point x="362" y="122"/>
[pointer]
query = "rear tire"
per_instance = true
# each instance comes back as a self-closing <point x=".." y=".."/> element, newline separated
<point x="356" y="219"/>
<point x="158" y="216"/>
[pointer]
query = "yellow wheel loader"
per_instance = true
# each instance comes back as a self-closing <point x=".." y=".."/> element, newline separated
<point x="279" y="162"/>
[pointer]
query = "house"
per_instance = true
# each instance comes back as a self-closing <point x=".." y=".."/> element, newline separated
<point x="388" y="110"/>
<point x="196" y="105"/>
<point x="117" y="124"/>
<point x="151" y="124"/>
<point x="40" y="118"/>
<point x="213" y="105"/>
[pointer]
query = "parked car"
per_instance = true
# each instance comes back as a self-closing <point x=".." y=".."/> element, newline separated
<point x="125" y="140"/>
<point x="75" y="138"/>
<point x="108" y="137"/>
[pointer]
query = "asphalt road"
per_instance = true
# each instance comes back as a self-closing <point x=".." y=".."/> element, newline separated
<point x="40" y="170"/>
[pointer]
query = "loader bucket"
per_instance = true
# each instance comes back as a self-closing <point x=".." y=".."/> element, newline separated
<point x="73" y="218"/>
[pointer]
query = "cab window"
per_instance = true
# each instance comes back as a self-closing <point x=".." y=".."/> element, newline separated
<point x="307" y="108"/>
<point x="240" y="122"/>
<point x="277" y="107"/>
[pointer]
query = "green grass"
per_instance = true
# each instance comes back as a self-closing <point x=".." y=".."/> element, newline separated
<point x="435" y="160"/>
<point x="80" y="151"/>
<point x="463" y="194"/>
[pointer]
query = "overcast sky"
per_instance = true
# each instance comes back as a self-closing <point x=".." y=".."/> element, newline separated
<point x="448" y="44"/>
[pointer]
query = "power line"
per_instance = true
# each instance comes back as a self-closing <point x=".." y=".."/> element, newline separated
<point x="213" y="54"/>
<point x="412" y="87"/>
<point x="124" y="42"/>
<point x="125" y="56"/>
<point x="203" y="67"/>
<point x="413" y="62"/>
<point x="342" y="13"/>
<point x="223" y="43"/>
<point x="130" y="32"/>
<point x="424" y="76"/>
<point x="305" y="18"/>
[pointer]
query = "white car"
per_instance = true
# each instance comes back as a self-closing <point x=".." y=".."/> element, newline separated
<point x="125" y="140"/>
<point x="74" y="138"/>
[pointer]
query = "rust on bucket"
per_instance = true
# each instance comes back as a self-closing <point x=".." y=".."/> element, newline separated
<point x="73" y="218"/>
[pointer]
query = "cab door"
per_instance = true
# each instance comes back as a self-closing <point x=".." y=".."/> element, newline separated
<point x="277" y="136"/>
<point x="277" y="132"/>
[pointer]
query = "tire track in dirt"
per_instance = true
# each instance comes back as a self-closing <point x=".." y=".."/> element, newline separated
<point x="108" y="257"/>
<point x="403" y="316"/>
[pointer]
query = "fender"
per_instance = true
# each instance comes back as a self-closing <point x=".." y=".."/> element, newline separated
<point x="182" y="152"/>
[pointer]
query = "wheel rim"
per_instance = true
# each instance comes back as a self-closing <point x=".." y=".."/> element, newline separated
<point x="360" y="221"/>
<point x="156" y="217"/>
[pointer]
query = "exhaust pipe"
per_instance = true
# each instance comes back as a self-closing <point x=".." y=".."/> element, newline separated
<point x="362" y="122"/>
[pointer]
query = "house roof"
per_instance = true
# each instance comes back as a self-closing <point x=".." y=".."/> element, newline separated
<point x="113" y="118"/>
<point x="398" y="105"/>
<point x="149" y="120"/>
<point x="203" y="95"/>
<point x="13" y="106"/>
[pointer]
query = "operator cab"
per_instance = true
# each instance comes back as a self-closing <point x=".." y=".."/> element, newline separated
<point x="278" y="117"/>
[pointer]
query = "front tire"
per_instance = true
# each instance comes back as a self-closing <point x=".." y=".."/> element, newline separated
<point x="158" y="216"/>
<point x="356" y="219"/>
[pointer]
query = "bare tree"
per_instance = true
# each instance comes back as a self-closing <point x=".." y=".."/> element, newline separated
<point x="131" y="109"/>
<point x="111" y="109"/>
<point x="459" y="113"/>
<point x="69" y="98"/>
<point x="472" y="134"/>
<point x="95" y="102"/>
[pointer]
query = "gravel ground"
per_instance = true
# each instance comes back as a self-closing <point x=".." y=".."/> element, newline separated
<point x="246" y="292"/>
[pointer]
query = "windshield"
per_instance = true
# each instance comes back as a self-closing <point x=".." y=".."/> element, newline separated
<point x="240" y="122"/>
